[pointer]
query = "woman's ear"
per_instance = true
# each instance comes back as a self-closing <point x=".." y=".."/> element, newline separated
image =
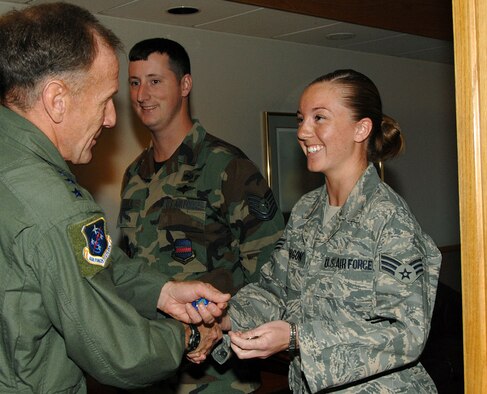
<point x="363" y="129"/>
<point x="54" y="97"/>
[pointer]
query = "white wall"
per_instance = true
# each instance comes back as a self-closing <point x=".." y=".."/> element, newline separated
<point x="237" y="78"/>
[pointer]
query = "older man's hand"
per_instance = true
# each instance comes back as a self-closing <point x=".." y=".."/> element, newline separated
<point x="210" y="335"/>
<point x="176" y="297"/>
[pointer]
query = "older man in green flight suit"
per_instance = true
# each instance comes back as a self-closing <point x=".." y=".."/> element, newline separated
<point x="62" y="277"/>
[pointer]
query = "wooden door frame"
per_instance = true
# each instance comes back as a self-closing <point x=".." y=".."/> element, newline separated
<point x="470" y="41"/>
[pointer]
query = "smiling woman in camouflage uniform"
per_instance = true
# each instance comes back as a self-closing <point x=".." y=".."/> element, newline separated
<point x="350" y="288"/>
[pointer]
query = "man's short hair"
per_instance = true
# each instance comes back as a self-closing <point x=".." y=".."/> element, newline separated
<point x="178" y="57"/>
<point x="56" y="39"/>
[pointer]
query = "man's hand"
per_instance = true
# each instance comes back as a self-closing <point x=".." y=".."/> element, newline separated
<point x="176" y="297"/>
<point x="210" y="335"/>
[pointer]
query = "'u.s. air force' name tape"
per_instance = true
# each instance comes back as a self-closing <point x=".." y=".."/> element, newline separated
<point x="348" y="263"/>
<point x="337" y="262"/>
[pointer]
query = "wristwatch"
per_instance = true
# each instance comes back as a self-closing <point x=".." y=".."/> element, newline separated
<point x="194" y="338"/>
<point x="293" y="342"/>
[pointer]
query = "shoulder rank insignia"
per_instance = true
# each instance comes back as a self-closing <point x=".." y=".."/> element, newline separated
<point x="403" y="272"/>
<point x="71" y="183"/>
<point x="183" y="250"/>
<point x="98" y="243"/>
<point x="280" y="243"/>
<point x="263" y="208"/>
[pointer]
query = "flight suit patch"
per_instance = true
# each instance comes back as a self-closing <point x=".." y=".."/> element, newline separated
<point x="403" y="272"/>
<point x="91" y="245"/>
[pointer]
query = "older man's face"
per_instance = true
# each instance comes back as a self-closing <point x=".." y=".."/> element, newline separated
<point x="92" y="109"/>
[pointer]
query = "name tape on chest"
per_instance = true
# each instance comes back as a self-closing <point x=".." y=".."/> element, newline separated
<point x="337" y="262"/>
<point x="348" y="263"/>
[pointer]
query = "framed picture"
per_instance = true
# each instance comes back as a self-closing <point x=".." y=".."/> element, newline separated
<point x="285" y="161"/>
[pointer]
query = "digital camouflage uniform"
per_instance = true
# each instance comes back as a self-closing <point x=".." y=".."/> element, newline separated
<point x="60" y="312"/>
<point x="361" y="289"/>
<point x="206" y="214"/>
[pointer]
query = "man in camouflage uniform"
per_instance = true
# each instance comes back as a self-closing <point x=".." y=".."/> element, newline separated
<point x="360" y="288"/>
<point x="193" y="205"/>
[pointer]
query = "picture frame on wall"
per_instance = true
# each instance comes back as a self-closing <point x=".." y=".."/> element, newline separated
<point x="285" y="161"/>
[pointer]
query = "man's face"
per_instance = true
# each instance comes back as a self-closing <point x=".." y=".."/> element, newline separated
<point x="91" y="109"/>
<point x="155" y="91"/>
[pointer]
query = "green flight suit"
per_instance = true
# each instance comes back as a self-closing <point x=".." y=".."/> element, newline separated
<point x="61" y="279"/>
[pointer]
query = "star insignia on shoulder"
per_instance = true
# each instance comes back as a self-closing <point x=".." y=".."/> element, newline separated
<point x="77" y="193"/>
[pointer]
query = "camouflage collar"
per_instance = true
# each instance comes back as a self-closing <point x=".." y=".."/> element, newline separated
<point x="360" y="194"/>
<point x="189" y="149"/>
<point x="146" y="167"/>
<point x="186" y="153"/>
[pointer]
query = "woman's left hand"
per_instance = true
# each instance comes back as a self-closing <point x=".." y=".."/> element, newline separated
<point x="261" y="342"/>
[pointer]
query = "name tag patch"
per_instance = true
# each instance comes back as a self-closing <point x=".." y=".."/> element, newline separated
<point x="296" y="255"/>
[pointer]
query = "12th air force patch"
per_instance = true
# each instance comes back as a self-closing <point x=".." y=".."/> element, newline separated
<point x="98" y="243"/>
<point x="91" y="245"/>
<point x="403" y="272"/>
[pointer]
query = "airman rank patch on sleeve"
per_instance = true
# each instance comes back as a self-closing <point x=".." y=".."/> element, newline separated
<point x="263" y="208"/>
<point x="91" y="245"/>
<point x="403" y="272"/>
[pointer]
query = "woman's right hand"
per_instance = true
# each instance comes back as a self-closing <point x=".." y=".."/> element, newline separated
<point x="261" y="342"/>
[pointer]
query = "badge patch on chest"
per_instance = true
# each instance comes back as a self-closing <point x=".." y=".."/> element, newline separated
<point x="98" y="243"/>
<point x="183" y="250"/>
<point x="403" y="272"/>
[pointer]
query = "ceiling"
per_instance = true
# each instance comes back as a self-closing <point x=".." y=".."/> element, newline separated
<point x="403" y="28"/>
